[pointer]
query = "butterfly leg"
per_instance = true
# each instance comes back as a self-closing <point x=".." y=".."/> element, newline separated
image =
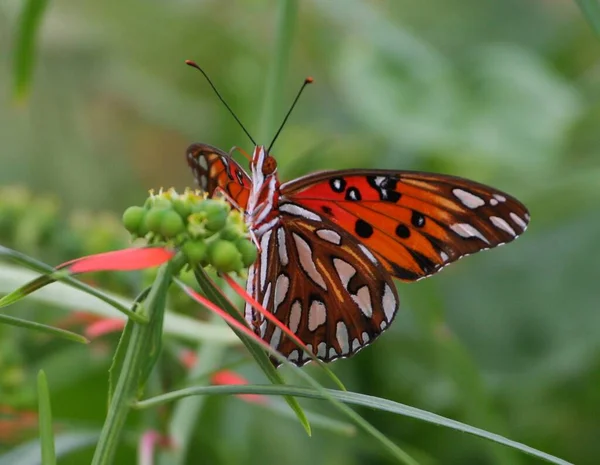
<point x="220" y="191"/>
<point x="235" y="148"/>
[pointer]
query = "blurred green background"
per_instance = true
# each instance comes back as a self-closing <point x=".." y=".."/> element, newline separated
<point x="505" y="92"/>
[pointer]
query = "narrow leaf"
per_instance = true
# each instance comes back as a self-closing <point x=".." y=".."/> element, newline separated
<point x="591" y="11"/>
<point x="211" y="291"/>
<point x="24" y="54"/>
<point x="120" y="260"/>
<point x="259" y="355"/>
<point x="45" y="421"/>
<point x="119" y="356"/>
<point x="10" y="320"/>
<point x="41" y="267"/>
<point x="363" y="400"/>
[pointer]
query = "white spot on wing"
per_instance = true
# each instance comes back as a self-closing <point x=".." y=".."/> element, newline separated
<point x="203" y="163"/>
<point x="264" y="258"/>
<point x="368" y="253"/>
<point x="518" y="220"/>
<point x="468" y="199"/>
<point x="500" y="198"/>
<point x="275" y="338"/>
<point x="355" y="345"/>
<point x="281" y="289"/>
<point x="203" y="181"/>
<point x="493" y="202"/>
<point x="344" y="270"/>
<point x="363" y="300"/>
<point x="293" y="357"/>
<point x="306" y="261"/>
<point x="282" y="247"/>
<point x="267" y="296"/>
<point x="297" y="210"/>
<point x="341" y="333"/>
<point x="332" y="353"/>
<point x="365" y="337"/>
<point x="295" y="315"/>
<point x="468" y="230"/>
<point x="317" y="315"/>
<point x="321" y="350"/>
<point x="502" y="224"/>
<point x="329" y="236"/>
<point x="444" y="256"/>
<point x="389" y="303"/>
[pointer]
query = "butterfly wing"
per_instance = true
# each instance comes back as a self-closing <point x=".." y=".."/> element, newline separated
<point x="414" y="223"/>
<point x="214" y="169"/>
<point x="321" y="283"/>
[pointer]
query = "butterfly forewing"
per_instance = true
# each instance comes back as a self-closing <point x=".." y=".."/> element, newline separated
<point x="415" y="223"/>
<point x="215" y="169"/>
<point x="323" y="284"/>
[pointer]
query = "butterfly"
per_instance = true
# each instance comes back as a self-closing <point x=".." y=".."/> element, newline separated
<point x="330" y="243"/>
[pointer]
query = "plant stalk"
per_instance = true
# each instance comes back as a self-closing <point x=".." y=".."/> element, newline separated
<point x="129" y="380"/>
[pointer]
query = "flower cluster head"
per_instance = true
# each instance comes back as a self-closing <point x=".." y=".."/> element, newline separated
<point x="207" y="230"/>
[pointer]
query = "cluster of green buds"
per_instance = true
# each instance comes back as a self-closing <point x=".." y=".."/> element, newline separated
<point x="207" y="230"/>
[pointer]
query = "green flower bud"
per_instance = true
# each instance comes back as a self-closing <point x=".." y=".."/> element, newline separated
<point x="231" y="233"/>
<point x="182" y="207"/>
<point x="247" y="250"/>
<point x="133" y="218"/>
<point x="171" y="224"/>
<point x="195" y="251"/>
<point x="216" y="212"/>
<point x="153" y="218"/>
<point x="224" y="256"/>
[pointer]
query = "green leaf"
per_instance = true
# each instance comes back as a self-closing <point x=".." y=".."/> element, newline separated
<point x="363" y="400"/>
<point x="10" y="320"/>
<point x="591" y="11"/>
<point x="42" y="281"/>
<point x="65" y="296"/>
<point x="45" y="421"/>
<point x="31" y="16"/>
<point x="209" y="289"/>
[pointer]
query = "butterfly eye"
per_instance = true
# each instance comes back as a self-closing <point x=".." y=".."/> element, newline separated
<point x="269" y="166"/>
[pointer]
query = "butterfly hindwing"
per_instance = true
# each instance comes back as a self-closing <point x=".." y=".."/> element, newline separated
<point x="322" y="283"/>
<point x="415" y="223"/>
<point x="214" y="169"/>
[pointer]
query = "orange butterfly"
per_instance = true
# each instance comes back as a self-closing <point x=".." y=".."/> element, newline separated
<point x="331" y="242"/>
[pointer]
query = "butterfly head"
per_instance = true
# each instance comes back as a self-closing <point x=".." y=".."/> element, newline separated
<point x="262" y="164"/>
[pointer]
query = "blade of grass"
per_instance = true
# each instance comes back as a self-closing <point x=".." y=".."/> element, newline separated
<point x="211" y="291"/>
<point x="133" y="367"/>
<point x="258" y="343"/>
<point x="45" y="421"/>
<point x="10" y="320"/>
<point x="24" y="53"/>
<point x="349" y="398"/>
<point x="591" y="11"/>
<point x="41" y="267"/>
<point x="64" y="296"/>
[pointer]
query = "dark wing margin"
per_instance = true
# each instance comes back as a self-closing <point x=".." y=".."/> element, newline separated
<point x="415" y="223"/>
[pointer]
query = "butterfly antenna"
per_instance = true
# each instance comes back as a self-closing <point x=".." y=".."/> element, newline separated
<point x="307" y="81"/>
<point x="194" y="65"/>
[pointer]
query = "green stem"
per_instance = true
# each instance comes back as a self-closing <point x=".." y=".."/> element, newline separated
<point x="134" y="362"/>
<point x="286" y="19"/>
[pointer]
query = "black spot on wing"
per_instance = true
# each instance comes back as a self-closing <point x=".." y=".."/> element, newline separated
<point x="363" y="229"/>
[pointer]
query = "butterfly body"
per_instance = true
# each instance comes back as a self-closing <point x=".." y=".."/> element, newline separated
<point x="331" y="242"/>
